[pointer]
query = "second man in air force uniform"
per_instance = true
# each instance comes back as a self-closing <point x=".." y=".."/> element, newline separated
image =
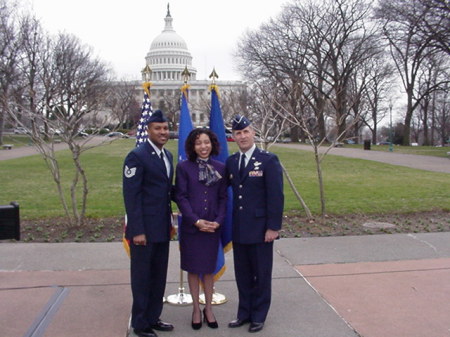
<point x="257" y="182"/>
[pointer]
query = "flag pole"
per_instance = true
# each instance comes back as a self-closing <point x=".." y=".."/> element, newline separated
<point x="181" y="298"/>
<point x="219" y="129"/>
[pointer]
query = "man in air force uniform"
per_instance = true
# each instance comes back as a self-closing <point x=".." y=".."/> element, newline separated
<point x="147" y="181"/>
<point x="257" y="181"/>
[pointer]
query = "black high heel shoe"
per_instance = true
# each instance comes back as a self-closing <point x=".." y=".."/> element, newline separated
<point x="212" y="325"/>
<point x="196" y="326"/>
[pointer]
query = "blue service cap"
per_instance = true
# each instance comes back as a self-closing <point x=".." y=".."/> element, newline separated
<point x="156" y="117"/>
<point x="239" y="122"/>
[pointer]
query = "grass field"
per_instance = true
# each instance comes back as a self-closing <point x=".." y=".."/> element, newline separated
<point x="24" y="140"/>
<point x="351" y="185"/>
<point x="434" y="151"/>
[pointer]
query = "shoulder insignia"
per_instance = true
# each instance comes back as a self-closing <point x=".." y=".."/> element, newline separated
<point x="129" y="172"/>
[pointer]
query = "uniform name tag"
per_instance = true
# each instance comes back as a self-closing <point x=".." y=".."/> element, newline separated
<point x="255" y="173"/>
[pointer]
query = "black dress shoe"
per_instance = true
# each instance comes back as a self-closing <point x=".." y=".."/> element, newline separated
<point x="255" y="327"/>
<point x="162" y="326"/>
<point x="145" y="333"/>
<point x="212" y="325"/>
<point x="237" y="323"/>
<point x="196" y="326"/>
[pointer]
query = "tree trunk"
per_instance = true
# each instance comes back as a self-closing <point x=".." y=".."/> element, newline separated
<point x="297" y="194"/>
<point x="319" y="176"/>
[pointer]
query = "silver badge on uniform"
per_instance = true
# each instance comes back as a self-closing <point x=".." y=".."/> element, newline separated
<point x="129" y="172"/>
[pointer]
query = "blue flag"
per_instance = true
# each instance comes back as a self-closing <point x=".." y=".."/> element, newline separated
<point x="217" y="125"/>
<point x="185" y="124"/>
<point x="185" y="127"/>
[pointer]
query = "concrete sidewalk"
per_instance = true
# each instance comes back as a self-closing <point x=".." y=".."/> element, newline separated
<point x="428" y="163"/>
<point x="371" y="286"/>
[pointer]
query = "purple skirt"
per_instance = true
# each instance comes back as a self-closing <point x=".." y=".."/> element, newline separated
<point x="198" y="252"/>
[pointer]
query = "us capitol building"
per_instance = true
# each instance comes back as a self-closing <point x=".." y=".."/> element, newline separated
<point x="168" y="58"/>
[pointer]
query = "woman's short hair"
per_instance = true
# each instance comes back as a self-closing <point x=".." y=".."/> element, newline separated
<point x="189" y="146"/>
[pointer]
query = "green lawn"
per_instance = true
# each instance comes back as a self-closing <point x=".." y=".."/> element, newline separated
<point x="16" y="140"/>
<point x="351" y="185"/>
<point x="420" y="150"/>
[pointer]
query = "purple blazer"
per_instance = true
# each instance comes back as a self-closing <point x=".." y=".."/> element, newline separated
<point x="196" y="200"/>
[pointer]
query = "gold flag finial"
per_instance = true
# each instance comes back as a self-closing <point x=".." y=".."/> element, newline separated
<point x="146" y="76"/>
<point x="186" y="74"/>
<point x="146" y="73"/>
<point x="214" y="75"/>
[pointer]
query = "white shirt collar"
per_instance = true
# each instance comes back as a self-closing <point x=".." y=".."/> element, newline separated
<point x="249" y="152"/>
<point x="157" y="149"/>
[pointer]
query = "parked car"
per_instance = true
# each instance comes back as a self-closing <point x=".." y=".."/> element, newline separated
<point x="20" y="130"/>
<point x="384" y="143"/>
<point x="229" y="135"/>
<point x="173" y="134"/>
<point x="116" y="134"/>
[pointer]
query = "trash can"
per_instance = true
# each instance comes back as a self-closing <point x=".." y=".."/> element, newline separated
<point x="367" y="144"/>
<point x="9" y="221"/>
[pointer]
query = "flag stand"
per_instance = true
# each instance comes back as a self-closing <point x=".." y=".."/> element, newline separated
<point x="217" y="298"/>
<point x="181" y="298"/>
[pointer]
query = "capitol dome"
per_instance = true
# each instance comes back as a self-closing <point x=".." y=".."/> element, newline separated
<point x="169" y="55"/>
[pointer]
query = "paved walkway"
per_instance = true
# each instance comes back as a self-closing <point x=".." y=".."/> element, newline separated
<point x="29" y="150"/>
<point x="373" y="286"/>
<point x="429" y="163"/>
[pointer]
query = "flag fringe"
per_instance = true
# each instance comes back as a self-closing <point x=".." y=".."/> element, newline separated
<point x="126" y="245"/>
<point x="228" y="247"/>
<point x="219" y="274"/>
<point x="184" y="89"/>
<point x="146" y="86"/>
<point x="214" y="87"/>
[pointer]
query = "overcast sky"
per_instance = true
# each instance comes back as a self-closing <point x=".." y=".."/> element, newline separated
<point x="121" y="32"/>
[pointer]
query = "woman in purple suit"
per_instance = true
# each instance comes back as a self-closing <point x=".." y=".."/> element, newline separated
<point x="201" y="195"/>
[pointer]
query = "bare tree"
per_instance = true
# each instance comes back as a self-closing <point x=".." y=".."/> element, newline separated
<point x="123" y="103"/>
<point x="269" y="124"/>
<point x="377" y="93"/>
<point x="348" y="41"/>
<point x="262" y="111"/>
<point x="10" y="46"/>
<point x="312" y="54"/>
<point x="442" y="116"/>
<point x="434" y="22"/>
<point x="64" y="87"/>
<point x="308" y="126"/>
<point x="409" y="50"/>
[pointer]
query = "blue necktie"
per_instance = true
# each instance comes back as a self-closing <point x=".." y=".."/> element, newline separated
<point x="242" y="166"/>
<point x="162" y="159"/>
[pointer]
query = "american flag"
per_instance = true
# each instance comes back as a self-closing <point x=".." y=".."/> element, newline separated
<point x="141" y="137"/>
<point x="141" y="133"/>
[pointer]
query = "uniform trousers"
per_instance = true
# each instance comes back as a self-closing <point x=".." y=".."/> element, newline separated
<point x="253" y="271"/>
<point x="148" y="282"/>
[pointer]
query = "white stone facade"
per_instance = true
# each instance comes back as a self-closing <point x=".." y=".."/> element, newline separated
<point x="168" y="58"/>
